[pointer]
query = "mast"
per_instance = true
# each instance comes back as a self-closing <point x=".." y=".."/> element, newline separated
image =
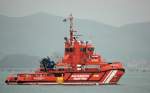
<point x="71" y="28"/>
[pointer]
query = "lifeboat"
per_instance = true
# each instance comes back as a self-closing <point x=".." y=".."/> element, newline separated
<point x="80" y="65"/>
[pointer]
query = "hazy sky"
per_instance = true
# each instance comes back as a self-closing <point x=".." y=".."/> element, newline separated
<point x="112" y="12"/>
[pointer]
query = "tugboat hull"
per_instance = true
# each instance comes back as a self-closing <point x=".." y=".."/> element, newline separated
<point x="78" y="78"/>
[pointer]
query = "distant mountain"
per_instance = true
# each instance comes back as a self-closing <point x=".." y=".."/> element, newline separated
<point x="35" y="34"/>
<point x="135" y="38"/>
<point x="19" y="61"/>
<point x="42" y="34"/>
<point x="1" y="55"/>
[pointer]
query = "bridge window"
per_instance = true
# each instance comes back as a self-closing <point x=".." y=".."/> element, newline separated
<point x="83" y="49"/>
<point x="91" y="49"/>
<point x="69" y="49"/>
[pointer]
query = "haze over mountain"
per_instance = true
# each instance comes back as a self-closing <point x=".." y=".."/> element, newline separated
<point x="42" y="34"/>
<point x="19" y="61"/>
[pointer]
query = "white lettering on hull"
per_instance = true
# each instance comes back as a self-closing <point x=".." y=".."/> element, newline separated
<point x="80" y="77"/>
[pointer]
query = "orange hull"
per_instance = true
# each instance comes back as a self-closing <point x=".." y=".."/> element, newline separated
<point x="107" y="77"/>
<point x="90" y="77"/>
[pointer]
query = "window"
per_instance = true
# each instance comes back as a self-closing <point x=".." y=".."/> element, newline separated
<point x="83" y="49"/>
<point x="91" y="49"/>
<point x="69" y="49"/>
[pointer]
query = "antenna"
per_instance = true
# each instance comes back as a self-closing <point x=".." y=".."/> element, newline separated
<point x="71" y="28"/>
<point x="70" y="18"/>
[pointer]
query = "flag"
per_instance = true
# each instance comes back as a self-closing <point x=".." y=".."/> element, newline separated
<point x="64" y="20"/>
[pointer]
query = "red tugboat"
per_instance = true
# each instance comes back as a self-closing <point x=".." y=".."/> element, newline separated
<point x="79" y="66"/>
